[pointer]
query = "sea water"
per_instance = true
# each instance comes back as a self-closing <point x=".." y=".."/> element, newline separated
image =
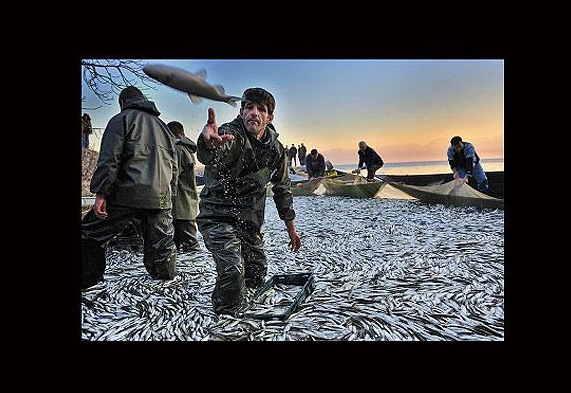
<point x="424" y="167"/>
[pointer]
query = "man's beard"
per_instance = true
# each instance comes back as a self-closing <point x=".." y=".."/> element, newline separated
<point x="255" y="130"/>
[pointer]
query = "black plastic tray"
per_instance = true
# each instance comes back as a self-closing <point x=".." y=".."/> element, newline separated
<point x="305" y="280"/>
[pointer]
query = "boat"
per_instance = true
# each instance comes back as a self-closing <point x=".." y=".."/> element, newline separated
<point x="339" y="184"/>
<point x="305" y="187"/>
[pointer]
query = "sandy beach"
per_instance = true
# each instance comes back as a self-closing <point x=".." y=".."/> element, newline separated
<point x="385" y="270"/>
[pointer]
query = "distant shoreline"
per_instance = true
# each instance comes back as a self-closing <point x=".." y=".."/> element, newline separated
<point x="416" y="163"/>
<point x="425" y="167"/>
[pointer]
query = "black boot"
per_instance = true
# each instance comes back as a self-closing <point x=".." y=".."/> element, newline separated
<point x="92" y="263"/>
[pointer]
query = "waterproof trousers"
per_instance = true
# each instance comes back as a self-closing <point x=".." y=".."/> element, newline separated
<point x="240" y="261"/>
<point x="371" y="171"/>
<point x="185" y="235"/>
<point x="159" y="250"/>
<point x="478" y="174"/>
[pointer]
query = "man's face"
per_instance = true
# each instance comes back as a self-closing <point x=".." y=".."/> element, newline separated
<point x="458" y="147"/>
<point x="362" y="148"/>
<point x="255" y="117"/>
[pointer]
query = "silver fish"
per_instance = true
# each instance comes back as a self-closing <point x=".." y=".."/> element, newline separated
<point x="192" y="84"/>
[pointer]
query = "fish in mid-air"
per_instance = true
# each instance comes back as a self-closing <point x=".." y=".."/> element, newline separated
<point x="193" y="84"/>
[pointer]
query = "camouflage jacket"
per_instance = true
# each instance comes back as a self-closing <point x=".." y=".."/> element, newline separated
<point x="236" y="175"/>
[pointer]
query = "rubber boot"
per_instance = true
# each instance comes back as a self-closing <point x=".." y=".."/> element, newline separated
<point x="92" y="263"/>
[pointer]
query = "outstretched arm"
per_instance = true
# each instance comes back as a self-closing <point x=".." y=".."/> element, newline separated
<point x="451" y="161"/>
<point x="361" y="160"/>
<point x="210" y="132"/>
<point x="211" y="146"/>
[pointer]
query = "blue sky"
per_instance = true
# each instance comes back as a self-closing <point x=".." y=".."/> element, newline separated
<point x="407" y="110"/>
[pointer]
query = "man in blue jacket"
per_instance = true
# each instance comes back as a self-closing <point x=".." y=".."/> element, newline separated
<point x="464" y="161"/>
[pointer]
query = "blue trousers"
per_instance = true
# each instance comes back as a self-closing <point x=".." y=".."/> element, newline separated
<point x="478" y="174"/>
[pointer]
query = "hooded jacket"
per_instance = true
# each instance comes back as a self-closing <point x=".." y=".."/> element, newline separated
<point x="236" y="175"/>
<point x="185" y="203"/>
<point x="137" y="164"/>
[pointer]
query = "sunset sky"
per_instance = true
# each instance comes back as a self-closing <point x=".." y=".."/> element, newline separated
<point x="407" y="110"/>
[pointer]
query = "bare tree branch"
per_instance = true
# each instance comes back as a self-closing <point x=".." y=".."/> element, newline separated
<point x="107" y="77"/>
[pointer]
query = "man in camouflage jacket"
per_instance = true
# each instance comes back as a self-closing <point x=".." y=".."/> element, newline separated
<point x="240" y="158"/>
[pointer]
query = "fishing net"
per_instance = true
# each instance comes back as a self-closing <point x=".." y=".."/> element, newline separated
<point x="452" y="193"/>
<point x="352" y="186"/>
<point x="390" y="192"/>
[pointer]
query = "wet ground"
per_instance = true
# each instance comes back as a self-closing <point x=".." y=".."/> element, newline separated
<point x="385" y="269"/>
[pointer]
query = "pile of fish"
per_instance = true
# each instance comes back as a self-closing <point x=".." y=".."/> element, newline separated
<point x="384" y="269"/>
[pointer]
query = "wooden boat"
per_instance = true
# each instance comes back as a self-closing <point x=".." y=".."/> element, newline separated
<point x="305" y="187"/>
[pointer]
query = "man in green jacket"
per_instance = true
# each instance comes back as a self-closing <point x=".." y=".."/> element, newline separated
<point x="240" y="158"/>
<point x="135" y="175"/>
<point x="185" y="202"/>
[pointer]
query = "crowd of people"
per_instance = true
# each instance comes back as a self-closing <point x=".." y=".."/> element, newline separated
<point x="316" y="166"/>
<point x="293" y="153"/>
<point x="145" y="176"/>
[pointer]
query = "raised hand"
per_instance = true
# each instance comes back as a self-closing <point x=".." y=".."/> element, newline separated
<point x="210" y="132"/>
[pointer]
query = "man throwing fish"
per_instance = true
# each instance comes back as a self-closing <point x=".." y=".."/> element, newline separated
<point x="240" y="158"/>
